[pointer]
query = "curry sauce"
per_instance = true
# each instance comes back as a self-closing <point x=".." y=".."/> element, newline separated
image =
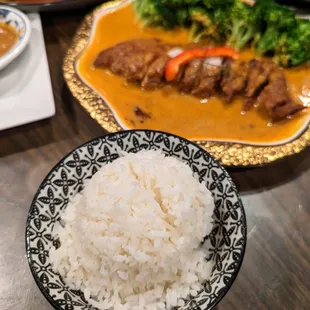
<point x="182" y="114"/>
<point x="8" y="37"/>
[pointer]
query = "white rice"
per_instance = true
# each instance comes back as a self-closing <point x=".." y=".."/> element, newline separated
<point x="131" y="239"/>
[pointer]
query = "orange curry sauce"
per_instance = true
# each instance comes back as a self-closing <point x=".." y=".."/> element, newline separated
<point x="8" y="37"/>
<point x="184" y="115"/>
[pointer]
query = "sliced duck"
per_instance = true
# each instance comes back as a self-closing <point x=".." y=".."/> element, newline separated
<point x="259" y="71"/>
<point x="147" y="61"/>
<point x="191" y="73"/>
<point x="276" y="99"/>
<point x="154" y="77"/>
<point x="208" y="81"/>
<point x="234" y="78"/>
<point x="131" y="59"/>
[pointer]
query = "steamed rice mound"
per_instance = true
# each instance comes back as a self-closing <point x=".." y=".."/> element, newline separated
<point x="132" y="238"/>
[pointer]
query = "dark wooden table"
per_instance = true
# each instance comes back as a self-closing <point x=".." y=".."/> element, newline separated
<point x="276" y="270"/>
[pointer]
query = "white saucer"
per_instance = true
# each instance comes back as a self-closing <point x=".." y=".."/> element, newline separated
<point x="25" y="86"/>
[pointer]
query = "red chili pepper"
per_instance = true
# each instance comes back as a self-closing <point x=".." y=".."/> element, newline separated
<point x="174" y="64"/>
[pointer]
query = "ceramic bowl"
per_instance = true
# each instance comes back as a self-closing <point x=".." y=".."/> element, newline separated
<point x="21" y="23"/>
<point x="227" y="239"/>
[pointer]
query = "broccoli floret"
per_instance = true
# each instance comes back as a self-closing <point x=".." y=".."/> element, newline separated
<point x="269" y="26"/>
<point x="155" y="13"/>
<point x="245" y="23"/>
<point x="165" y="13"/>
<point x="203" y="25"/>
<point x="180" y="3"/>
<point x="219" y="11"/>
<point x="181" y="9"/>
<point x="210" y="20"/>
<point x="303" y="31"/>
<point x="294" y="46"/>
<point x="182" y="17"/>
<point x="217" y="4"/>
<point x="278" y="20"/>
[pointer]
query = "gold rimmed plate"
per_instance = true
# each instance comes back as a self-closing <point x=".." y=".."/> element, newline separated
<point x="98" y="98"/>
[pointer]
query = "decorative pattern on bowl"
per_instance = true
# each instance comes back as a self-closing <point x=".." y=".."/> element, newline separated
<point x="227" y="239"/>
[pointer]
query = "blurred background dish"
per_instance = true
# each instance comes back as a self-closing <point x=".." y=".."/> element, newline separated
<point x="25" y="90"/>
<point x="49" y="5"/>
<point x="15" y="32"/>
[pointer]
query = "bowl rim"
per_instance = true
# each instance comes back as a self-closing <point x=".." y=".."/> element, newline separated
<point x="18" y="47"/>
<point x="227" y="176"/>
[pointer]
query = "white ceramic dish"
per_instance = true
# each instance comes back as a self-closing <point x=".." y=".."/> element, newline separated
<point x="107" y="10"/>
<point x="25" y="89"/>
<point x="22" y="25"/>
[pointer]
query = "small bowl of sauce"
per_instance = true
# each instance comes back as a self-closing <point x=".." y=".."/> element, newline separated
<point x="8" y="37"/>
<point x="15" y="31"/>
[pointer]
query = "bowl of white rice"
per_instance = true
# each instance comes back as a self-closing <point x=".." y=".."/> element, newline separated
<point x="136" y="220"/>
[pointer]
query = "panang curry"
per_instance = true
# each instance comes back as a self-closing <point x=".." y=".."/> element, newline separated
<point x="8" y="37"/>
<point x="189" y="106"/>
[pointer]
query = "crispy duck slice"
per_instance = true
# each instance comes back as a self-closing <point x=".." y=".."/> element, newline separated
<point x="112" y="54"/>
<point x="131" y="58"/>
<point x="234" y="78"/>
<point x="283" y="111"/>
<point x="135" y="66"/>
<point x="208" y="80"/>
<point x="190" y="75"/>
<point x="179" y="77"/>
<point x="154" y="77"/>
<point x="259" y="71"/>
<point x="276" y="99"/>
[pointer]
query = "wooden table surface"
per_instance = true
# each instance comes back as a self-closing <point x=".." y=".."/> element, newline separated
<point x="276" y="269"/>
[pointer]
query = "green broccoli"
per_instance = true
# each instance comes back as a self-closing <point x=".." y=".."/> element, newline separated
<point x="203" y="25"/>
<point x="155" y="13"/>
<point x="182" y="17"/>
<point x="217" y="4"/>
<point x="245" y="24"/>
<point x="209" y="20"/>
<point x="219" y="11"/>
<point x="269" y="26"/>
<point x="278" y="20"/>
<point x="181" y="9"/>
<point x="164" y="13"/>
<point x="294" y="46"/>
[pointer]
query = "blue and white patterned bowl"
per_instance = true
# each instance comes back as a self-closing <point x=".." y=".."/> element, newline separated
<point x="22" y="25"/>
<point x="227" y="239"/>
